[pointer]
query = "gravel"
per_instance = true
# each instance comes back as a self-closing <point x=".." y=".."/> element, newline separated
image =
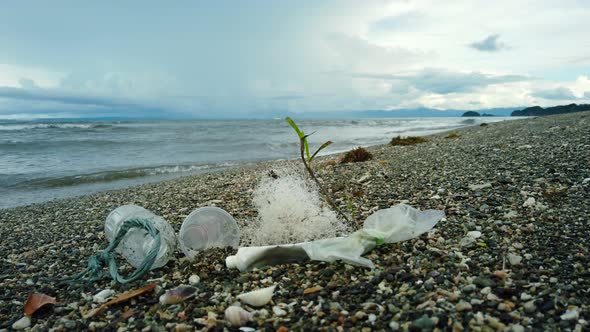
<point x="521" y="186"/>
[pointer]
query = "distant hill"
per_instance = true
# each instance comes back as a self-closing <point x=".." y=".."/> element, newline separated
<point x="402" y="113"/>
<point x="470" y="114"/>
<point x="540" y="111"/>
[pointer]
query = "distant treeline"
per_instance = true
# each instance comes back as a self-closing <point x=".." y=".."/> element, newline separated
<point x="540" y="111"/>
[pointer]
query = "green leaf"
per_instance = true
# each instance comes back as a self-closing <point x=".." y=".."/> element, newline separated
<point x="325" y="145"/>
<point x="294" y="126"/>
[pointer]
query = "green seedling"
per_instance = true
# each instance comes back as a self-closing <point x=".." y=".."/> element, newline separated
<point x="307" y="158"/>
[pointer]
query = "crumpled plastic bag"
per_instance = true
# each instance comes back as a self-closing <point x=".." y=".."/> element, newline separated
<point x="399" y="223"/>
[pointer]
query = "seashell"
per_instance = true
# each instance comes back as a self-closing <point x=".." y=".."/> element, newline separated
<point x="259" y="297"/>
<point x="22" y="323"/>
<point x="278" y="311"/>
<point x="178" y="294"/>
<point x="194" y="279"/>
<point x="102" y="296"/>
<point x="237" y="316"/>
<point x="36" y="301"/>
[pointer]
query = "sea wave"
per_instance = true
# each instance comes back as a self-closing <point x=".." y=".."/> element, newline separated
<point x="33" y="126"/>
<point x="117" y="175"/>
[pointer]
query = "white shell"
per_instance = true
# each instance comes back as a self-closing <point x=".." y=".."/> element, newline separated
<point x="22" y="323"/>
<point x="237" y="316"/>
<point x="178" y="294"/>
<point x="102" y="296"/>
<point x="278" y="311"/>
<point x="194" y="279"/>
<point x="259" y="297"/>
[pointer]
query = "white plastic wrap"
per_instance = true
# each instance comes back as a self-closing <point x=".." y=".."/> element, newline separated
<point x="396" y="224"/>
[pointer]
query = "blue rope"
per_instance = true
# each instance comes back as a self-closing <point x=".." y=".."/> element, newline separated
<point x="96" y="263"/>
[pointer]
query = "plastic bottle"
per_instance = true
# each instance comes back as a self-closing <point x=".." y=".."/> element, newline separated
<point x="396" y="224"/>
<point x="208" y="227"/>
<point x="137" y="243"/>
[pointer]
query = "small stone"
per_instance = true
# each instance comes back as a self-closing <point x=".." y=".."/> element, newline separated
<point x="484" y="282"/>
<point x="364" y="178"/>
<point x="463" y="306"/>
<point x="474" y="234"/>
<point x="22" y="323"/>
<point x="514" y="259"/>
<point x="553" y="280"/>
<point x="69" y="324"/>
<point x="73" y="305"/>
<point x="506" y="306"/>
<point x="510" y="214"/>
<point x="476" y="187"/>
<point x="495" y="323"/>
<point x="94" y="326"/>
<point x="29" y="282"/>
<point x="516" y="328"/>
<point x="530" y="306"/>
<point x="393" y="325"/>
<point x="102" y="296"/>
<point x="182" y="327"/>
<point x="467" y="241"/>
<point x="422" y="324"/>
<point x="525" y="296"/>
<point x="486" y="290"/>
<point x="530" y="202"/>
<point x="372" y="318"/>
<point x="572" y="314"/>
<point x="312" y="290"/>
<point x="469" y="288"/>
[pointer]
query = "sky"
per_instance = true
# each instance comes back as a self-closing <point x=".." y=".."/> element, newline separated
<point x="246" y="58"/>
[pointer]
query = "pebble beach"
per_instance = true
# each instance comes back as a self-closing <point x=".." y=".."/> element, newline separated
<point x="512" y="253"/>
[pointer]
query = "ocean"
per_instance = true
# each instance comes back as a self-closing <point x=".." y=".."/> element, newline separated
<point x="45" y="160"/>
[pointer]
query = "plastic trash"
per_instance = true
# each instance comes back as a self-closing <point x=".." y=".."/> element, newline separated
<point x="137" y="243"/>
<point x="208" y="227"/>
<point x="392" y="225"/>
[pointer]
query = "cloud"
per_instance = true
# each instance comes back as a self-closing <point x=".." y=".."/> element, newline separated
<point x="398" y="22"/>
<point x="444" y="81"/>
<point x="587" y="94"/>
<point x="489" y="44"/>
<point x="559" y="93"/>
<point x="353" y="53"/>
<point x="33" y="93"/>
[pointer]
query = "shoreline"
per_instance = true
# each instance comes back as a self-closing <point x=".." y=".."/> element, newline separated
<point x="435" y="281"/>
<point x="136" y="182"/>
<point x="23" y="189"/>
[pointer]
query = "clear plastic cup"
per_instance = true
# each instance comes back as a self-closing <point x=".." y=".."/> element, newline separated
<point x="137" y="243"/>
<point x="208" y="227"/>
